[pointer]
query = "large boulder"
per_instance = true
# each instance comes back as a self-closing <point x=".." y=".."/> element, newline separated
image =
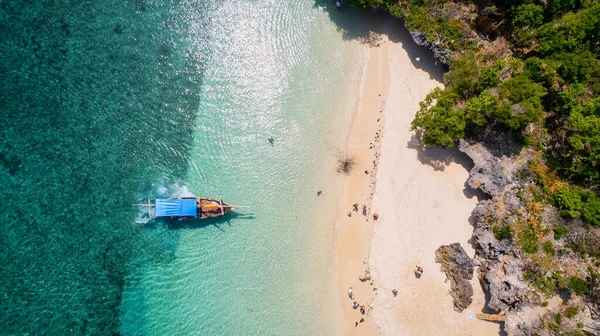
<point x="458" y="267"/>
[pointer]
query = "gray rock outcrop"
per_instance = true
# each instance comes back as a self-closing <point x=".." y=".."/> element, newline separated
<point x="440" y="53"/>
<point x="505" y="283"/>
<point x="458" y="267"/>
<point x="499" y="263"/>
<point x="490" y="174"/>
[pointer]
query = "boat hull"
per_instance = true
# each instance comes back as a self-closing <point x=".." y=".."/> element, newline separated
<point x="188" y="208"/>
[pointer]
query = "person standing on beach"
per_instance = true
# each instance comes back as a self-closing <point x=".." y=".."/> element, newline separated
<point x="350" y="292"/>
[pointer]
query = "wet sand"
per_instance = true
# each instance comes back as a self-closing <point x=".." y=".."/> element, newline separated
<point x="353" y="234"/>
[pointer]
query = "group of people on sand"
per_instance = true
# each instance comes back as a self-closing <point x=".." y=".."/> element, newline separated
<point x="364" y="211"/>
<point x="355" y="209"/>
<point x="356" y="305"/>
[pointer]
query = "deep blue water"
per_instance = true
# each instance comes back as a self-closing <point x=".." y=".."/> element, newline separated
<point x="109" y="103"/>
<point x="98" y="99"/>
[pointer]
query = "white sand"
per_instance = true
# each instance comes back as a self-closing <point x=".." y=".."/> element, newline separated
<point x="420" y="207"/>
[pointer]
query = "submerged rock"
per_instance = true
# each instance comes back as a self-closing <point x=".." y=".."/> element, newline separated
<point x="458" y="267"/>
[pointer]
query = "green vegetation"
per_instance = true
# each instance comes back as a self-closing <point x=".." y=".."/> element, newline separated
<point x="571" y="311"/>
<point x="568" y="200"/>
<point x="579" y="286"/>
<point x="528" y="241"/>
<point x="559" y="231"/>
<point x="522" y="102"/>
<point x="528" y="14"/>
<point x="549" y="285"/>
<point x="481" y="108"/>
<point x="442" y="123"/>
<point x="558" y="319"/>
<point x="504" y="232"/>
<point x="548" y="248"/>
<point x="543" y="284"/>
<point x="577" y="202"/>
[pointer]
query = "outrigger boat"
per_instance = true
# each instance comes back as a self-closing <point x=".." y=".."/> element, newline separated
<point x="188" y="208"/>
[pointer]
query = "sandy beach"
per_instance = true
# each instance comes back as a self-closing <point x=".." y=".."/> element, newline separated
<point x="362" y="148"/>
<point x="418" y="193"/>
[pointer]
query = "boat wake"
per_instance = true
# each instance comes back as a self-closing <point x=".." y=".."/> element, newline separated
<point x="180" y="191"/>
<point x="142" y="216"/>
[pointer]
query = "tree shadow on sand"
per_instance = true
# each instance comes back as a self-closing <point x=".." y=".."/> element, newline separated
<point x="437" y="157"/>
<point x="367" y="26"/>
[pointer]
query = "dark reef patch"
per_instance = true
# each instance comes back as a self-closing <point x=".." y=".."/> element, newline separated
<point x="94" y="112"/>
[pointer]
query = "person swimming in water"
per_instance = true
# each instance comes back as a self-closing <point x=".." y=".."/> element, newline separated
<point x="271" y="139"/>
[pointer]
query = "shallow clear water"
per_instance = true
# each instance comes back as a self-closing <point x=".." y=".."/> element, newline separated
<point x="108" y="104"/>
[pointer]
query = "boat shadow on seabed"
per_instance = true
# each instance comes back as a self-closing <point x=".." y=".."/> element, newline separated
<point x="174" y="224"/>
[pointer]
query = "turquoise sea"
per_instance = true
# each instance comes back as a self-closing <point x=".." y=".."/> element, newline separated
<point x="109" y="103"/>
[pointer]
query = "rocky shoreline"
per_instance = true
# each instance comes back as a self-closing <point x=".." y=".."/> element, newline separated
<point x="501" y="264"/>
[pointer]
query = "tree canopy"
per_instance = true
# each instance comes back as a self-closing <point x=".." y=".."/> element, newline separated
<point x="551" y="80"/>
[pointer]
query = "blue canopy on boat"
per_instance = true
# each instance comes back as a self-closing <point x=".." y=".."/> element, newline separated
<point x="176" y="207"/>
